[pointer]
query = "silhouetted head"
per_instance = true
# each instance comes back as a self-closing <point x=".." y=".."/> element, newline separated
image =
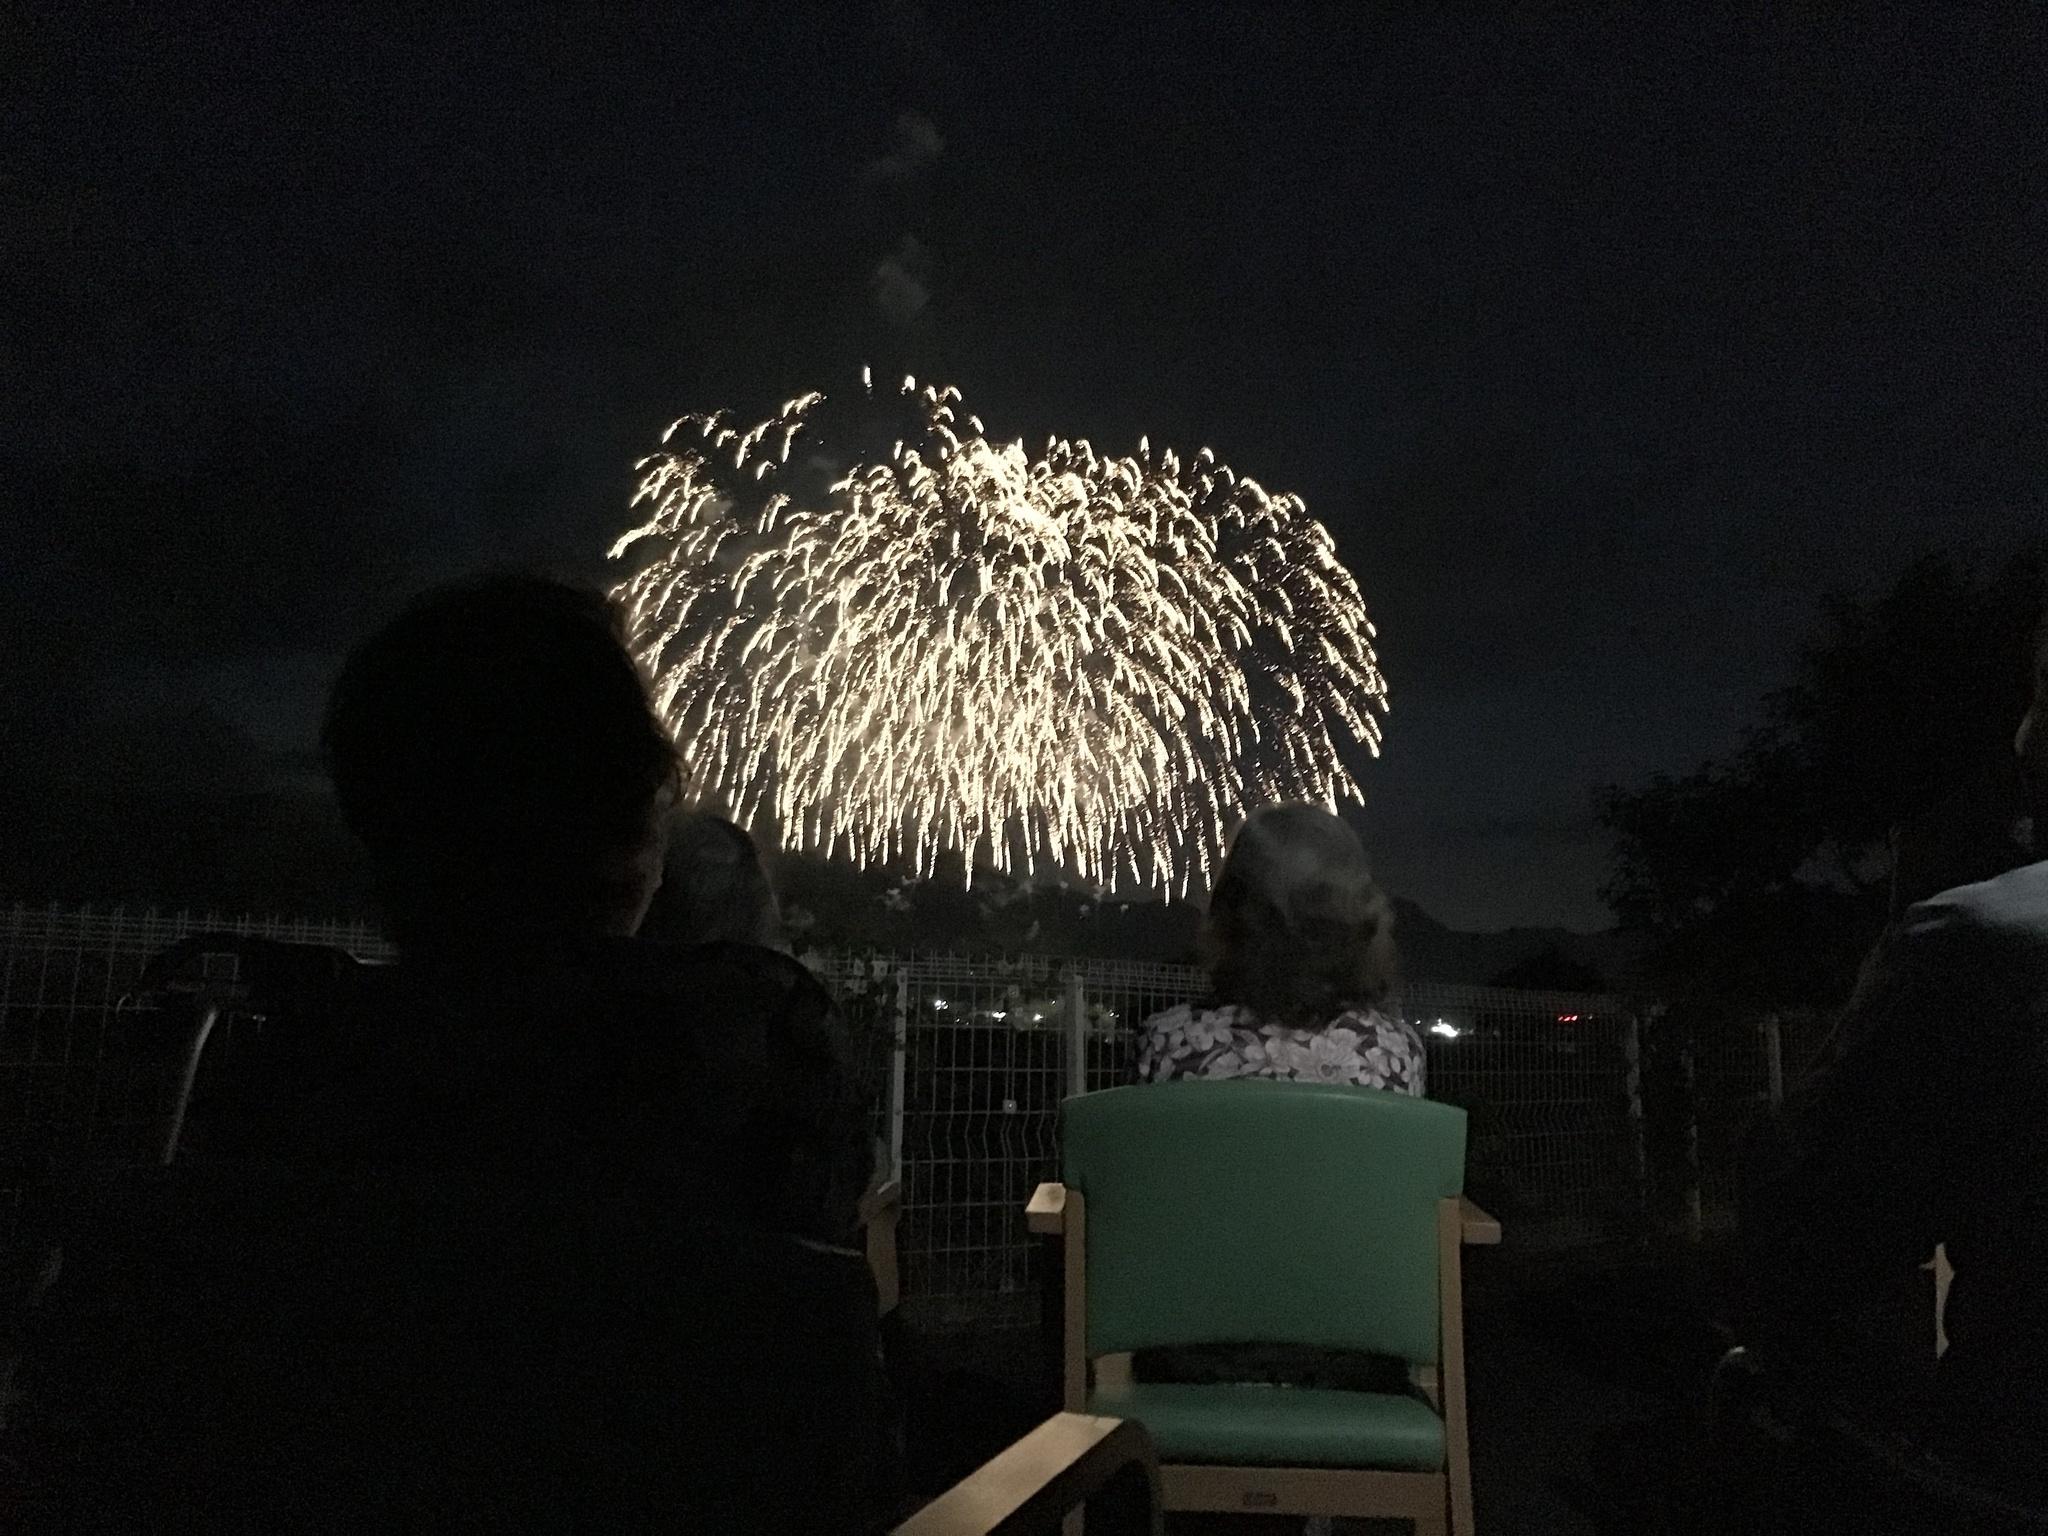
<point x="2032" y="741"/>
<point x="1297" y="929"/>
<point x="495" y="749"/>
<point x="712" y="887"/>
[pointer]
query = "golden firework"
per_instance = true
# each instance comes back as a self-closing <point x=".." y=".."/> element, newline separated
<point x="1099" y="665"/>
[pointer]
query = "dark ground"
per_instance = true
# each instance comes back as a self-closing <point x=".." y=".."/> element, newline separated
<point x="1581" y="1383"/>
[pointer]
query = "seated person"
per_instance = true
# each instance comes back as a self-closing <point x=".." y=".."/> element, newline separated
<point x="715" y="890"/>
<point x="712" y="888"/>
<point x="1300" y="952"/>
<point x="551" y="1240"/>
<point x="1922" y="1126"/>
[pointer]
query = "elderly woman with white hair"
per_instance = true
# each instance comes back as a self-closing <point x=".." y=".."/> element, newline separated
<point x="1300" y="952"/>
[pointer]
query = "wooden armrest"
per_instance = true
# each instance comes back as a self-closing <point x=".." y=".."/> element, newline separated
<point x="881" y="1208"/>
<point x="1047" y="1211"/>
<point x="882" y="1200"/>
<point x="1478" y="1227"/>
<point x="1056" y="1468"/>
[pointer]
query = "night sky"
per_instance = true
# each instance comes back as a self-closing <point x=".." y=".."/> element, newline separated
<point x="1602" y="349"/>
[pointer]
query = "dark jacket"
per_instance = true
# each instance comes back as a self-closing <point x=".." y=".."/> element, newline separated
<point x="548" y="1244"/>
<point x="1923" y="1125"/>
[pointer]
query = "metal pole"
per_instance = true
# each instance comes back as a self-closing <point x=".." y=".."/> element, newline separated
<point x="1632" y="1046"/>
<point x="1077" y="1033"/>
<point x="897" y="1054"/>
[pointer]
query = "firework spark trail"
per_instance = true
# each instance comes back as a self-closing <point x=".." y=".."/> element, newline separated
<point x="1100" y="664"/>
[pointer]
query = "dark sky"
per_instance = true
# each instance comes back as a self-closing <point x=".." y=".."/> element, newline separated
<point x="1602" y="348"/>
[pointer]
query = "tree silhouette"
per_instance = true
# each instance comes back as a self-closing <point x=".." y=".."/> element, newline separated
<point x="1885" y="772"/>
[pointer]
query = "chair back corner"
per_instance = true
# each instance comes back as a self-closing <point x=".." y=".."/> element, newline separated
<point x="1263" y="1212"/>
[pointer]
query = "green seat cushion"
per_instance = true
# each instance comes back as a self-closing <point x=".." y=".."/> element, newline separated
<point x="1259" y="1425"/>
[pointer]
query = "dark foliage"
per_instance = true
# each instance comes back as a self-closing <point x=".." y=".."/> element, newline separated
<point x="1885" y="772"/>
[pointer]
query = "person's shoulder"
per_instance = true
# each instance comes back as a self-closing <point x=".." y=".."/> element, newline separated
<point x="1363" y="1019"/>
<point x="724" y="970"/>
<point x="2007" y="914"/>
<point x="2017" y="899"/>
<point x="1176" y="1017"/>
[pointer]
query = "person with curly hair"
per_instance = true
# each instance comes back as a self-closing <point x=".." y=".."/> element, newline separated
<point x="1300" y="951"/>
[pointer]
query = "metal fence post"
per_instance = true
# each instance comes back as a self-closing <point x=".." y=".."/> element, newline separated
<point x="898" y="1057"/>
<point x="1638" y="1136"/>
<point x="1077" y="1032"/>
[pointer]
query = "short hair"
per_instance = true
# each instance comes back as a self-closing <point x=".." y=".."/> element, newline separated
<point x="494" y="748"/>
<point x="713" y="887"/>
<point x="1297" y="930"/>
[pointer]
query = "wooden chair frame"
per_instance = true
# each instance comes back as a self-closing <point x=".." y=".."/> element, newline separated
<point x="188" y="1074"/>
<point x="1437" y="1502"/>
<point x="1035" y="1487"/>
<point x="881" y="1209"/>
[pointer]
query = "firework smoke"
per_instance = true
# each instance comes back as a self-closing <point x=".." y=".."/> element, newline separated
<point x="1095" y="664"/>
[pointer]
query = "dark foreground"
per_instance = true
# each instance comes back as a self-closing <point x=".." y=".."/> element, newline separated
<point x="1586" y="1383"/>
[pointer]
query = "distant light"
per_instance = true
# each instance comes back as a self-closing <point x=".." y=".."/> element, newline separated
<point x="1038" y="1018"/>
<point x="1567" y="1018"/>
<point x="1445" y="1028"/>
<point x="939" y="1002"/>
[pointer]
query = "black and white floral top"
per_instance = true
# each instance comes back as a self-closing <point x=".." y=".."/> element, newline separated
<point x="1360" y="1045"/>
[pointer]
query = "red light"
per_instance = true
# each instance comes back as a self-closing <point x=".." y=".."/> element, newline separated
<point x="1567" y="1018"/>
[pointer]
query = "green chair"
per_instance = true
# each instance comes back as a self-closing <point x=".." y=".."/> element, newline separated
<point x="1257" y="1212"/>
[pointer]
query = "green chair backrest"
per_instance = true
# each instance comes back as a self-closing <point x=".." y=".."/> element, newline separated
<point x="1262" y="1212"/>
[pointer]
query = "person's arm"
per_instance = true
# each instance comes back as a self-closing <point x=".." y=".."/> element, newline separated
<point x="1402" y="1062"/>
<point x="1148" y="1062"/>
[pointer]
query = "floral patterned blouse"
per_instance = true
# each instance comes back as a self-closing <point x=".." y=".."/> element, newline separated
<point x="1360" y="1045"/>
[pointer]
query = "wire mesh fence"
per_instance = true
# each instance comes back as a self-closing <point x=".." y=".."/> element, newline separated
<point x="1733" y="1063"/>
<point x="1739" y="1067"/>
<point x="989" y="1046"/>
<point x="1551" y="1086"/>
<point x="967" y="1059"/>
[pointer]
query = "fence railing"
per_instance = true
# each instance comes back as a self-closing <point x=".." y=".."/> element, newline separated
<point x="974" y="1054"/>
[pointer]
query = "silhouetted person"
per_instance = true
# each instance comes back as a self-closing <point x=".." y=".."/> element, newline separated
<point x="557" y="1240"/>
<point x="1922" y="1126"/>
<point x="713" y="888"/>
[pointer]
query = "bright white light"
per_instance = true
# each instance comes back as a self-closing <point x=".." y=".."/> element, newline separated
<point x="1059" y="661"/>
<point x="1445" y="1028"/>
<point x="939" y="1002"/>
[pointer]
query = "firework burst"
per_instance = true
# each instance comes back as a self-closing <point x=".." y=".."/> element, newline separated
<point x="1063" y="661"/>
